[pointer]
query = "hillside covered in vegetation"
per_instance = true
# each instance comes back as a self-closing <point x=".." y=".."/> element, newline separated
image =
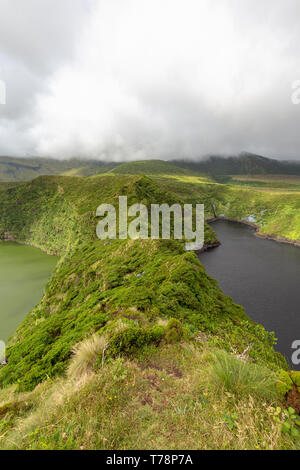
<point x="133" y="345"/>
<point x="14" y="169"/>
<point x="26" y="169"/>
<point x="270" y="203"/>
<point x="243" y="164"/>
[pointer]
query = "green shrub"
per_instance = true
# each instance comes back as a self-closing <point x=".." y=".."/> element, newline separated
<point x="158" y="332"/>
<point x="174" y="331"/>
<point x="284" y="384"/>
<point x="295" y="376"/>
<point x="131" y="339"/>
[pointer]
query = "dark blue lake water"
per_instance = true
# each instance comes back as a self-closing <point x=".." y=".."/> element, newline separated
<point x="261" y="275"/>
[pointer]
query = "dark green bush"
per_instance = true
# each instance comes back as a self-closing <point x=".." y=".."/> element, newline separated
<point x="131" y="339"/>
<point x="174" y="331"/>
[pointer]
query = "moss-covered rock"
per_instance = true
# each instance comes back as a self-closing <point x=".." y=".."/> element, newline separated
<point x="284" y="384"/>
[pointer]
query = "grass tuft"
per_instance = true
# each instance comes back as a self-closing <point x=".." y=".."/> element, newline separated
<point x="85" y="355"/>
<point x="233" y="375"/>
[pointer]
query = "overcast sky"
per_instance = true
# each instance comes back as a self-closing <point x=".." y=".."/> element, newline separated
<point x="128" y="79"/>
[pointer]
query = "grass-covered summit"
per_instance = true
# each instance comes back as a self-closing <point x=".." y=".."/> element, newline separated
<point x="151" y="167"/>
<point x="125" y="315"/>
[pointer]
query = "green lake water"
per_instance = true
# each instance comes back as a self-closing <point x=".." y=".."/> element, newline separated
<point x="24" y="272"/>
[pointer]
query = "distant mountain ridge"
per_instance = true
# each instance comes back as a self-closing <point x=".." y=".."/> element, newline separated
<point x="152" y="167"/>
<point x="26" y="169"/>
<point x="243" y="164"/>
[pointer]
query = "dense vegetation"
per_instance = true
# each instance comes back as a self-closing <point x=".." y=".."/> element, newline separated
<point x="272" y="205"/>
<point x="124" y="349"/>
<point x="151" y="167"/>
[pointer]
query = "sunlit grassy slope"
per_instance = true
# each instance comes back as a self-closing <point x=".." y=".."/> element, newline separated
<point x="26" y="169"/>
<point x="152" y="167"/>
<point x="151" y="331"/>
<point x="273" y="204"/>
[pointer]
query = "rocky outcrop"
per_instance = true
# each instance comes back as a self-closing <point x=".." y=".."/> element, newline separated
<point x="208" y="246"/>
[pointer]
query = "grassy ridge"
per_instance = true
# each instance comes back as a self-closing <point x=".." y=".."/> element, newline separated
<point x="97" y="281"/>
<point x="151" y="323"/>
<point x="58" y="213"/>
<point x="151" y="167"/>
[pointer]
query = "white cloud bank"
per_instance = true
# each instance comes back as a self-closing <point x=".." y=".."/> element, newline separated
<point x="127" y="79"/>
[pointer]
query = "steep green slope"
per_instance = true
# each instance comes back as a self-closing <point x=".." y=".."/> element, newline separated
<point x="133" y="345"/>
<point x="58" y="213"/>
<point x="97" y="282"/>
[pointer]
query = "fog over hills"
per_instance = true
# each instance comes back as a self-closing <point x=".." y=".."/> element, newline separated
<point x="25" y="169"/>
<point x="125" y="81"/>
<point x="243" y="164"/>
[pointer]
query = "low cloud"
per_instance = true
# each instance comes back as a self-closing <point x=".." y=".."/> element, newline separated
<point x="138" y="79"/>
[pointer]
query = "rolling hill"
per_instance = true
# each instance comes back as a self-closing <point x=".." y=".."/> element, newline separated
<point x="26" y="169"/>
<point x="243" y="164"/>
<point x="151" y="167"/>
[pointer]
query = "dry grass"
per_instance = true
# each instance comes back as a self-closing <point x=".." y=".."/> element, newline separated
<point x="164" y="399"/>
<point x="85" y="355"/>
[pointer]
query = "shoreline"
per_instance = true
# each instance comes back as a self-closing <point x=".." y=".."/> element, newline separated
<point x="208" y="246"/>
<point x="257" y="233"/>
<point x="32" y="244"/>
